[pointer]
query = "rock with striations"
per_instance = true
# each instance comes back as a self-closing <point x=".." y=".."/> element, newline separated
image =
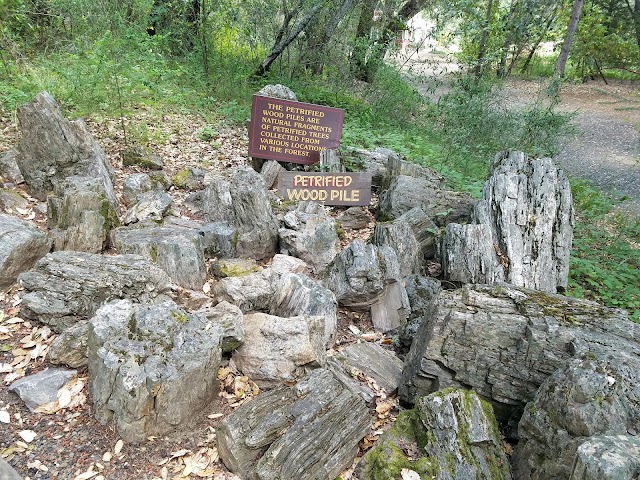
<point x="590" y="396"/>
<point x="52" y="148"/>
<point x="505" y="341"/>
<point x="251" y="292"/>
<point x="374" y="361"/>
<point x="151" y="367"/>
<point x="41" y="388"/>
<point x="7" y="472"/>
<point x="441" y="206"/>
<point x="298" y="294"/>
<point x="11" y="200"/>
<point x="70" y="347"/>
<point x="420" y="292"/>
<point x="278" y="91"/>
<point x="241" y="200"/>
<point x="134" y="185"/>
<point x="412" y="236"/>
<point x="9" y="167"/>
<point x="451" y="434"/>
<point x="81" y="214"/>
<point x="353" y="218"/>
<point x="219" y="239"/>
<point x="229" y="319"/>
<point x="524" y="228"/>
<point x="311" y="237"/>
<point x="607" y="457"/>
<point x="278" y="349"/>
<point x="391" y="311"/>
<point x="178" y="251"/>
<point x="21" y="245"/>
<point x="66" y="287"/>
<point x="309" y="431"/>
<point x="152" y="205"/>
<point x="360" y="273"/>
<point x="270" y="171"/>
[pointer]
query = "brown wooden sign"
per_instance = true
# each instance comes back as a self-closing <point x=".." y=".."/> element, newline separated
<point x="328" y="188"/>
<point x="292" y="131"/>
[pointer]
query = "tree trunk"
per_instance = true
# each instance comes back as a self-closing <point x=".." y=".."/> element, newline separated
<point x="362" y="41"/>
<point x="636" y="20"/>
<point x="550" y="20"/>
<point x="328" y="32"/>
<point x="507" y="38"/>
<point x="285" y="41"/>
<point x="482" y="49"/>
<point x="568" y="39"/>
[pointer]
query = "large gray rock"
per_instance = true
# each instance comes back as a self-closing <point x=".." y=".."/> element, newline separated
<point x="81" y="214"/>
<point x="152" y="205"/>
<point x="229" y="319"/>
<point x="134" y="185"/>
<point x="449" y="435"/>
<point x="279" y="349"/>
<point x="21" y="245"/>
<point x="52" y="148"/>
<point x="9" y="168"/>
<point x="10" y="200"/>
<point x="270" y="171"/>
<point x="527" y="209"/>
<point x="42" y="387"/>
<point x="219" y="239"/>
<point x="242" y="200"/>
<point x="142" y="157"/>
<point x="65" y="287"/>
<point x="412" y="236"/>
<point x="297" y="294"/>
<point x="70" y="347"/>
<point x="306" y="432"/>
<point x="151" y="367"/>
<point x="374" y="361"/>
<point x="178" y="251"/>
<point x="442" y="206"/>
<point x="353" y="218"/>
<point x="278" y="91"/>
<point x="420" y="292"/>
<point x="312" y="238"/>
<point x="360" y="272"/>
<point x="608" y="457"/>
<point x="252" y="292"/>
<point x="504" y="341"/>
<point x="8" y="473"/>
<point x="391" y="310"/>
<point x="595" y="395"/>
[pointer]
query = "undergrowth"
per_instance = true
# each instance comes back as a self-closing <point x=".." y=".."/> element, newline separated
<point x="605" y="259"/>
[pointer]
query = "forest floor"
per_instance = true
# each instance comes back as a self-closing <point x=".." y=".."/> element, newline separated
<point x="605" y="148"/>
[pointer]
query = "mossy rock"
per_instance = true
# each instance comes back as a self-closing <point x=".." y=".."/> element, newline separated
<point x="234" y="267"/>
<point x="141" y="157"/>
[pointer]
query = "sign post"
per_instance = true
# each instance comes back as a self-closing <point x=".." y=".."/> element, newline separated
<point x="291" y="131"/>
<point x="352" y="189"/>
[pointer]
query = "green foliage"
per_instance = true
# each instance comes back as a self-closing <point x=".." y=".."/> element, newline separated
<point x="605" y="259"/>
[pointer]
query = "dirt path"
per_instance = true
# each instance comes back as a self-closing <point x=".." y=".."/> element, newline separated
<point x="606" y="146"/>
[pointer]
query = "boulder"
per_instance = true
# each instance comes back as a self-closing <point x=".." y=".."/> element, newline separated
<point x="140" y="156"/>
<point x="375" y="362"/>
<point x="70" y="347"/>
<point x="607" y="457"/>
<point x="313" y="238"/>
<point x="505" y="341"/>
<point x="593" y="395"/>
<point x="353" y="218"/>
<point x="526" y="208"/>
<point x="229" y="319"/>
<point x="8" y="473"/>
<point x="11" y="200"/>
<point x="360" y="272"/>
<point x="151" y="367"/>
<point x="152" y="205"/>
<point x="270" y="171"/>
<point x="134" y="185"/>
<point x="242" y="200"/>
<point x="441" y="206"/>
<point x="277" y="349"/>
<point x="450" y="434"/>
<point x="178" y="251"/>
<point x="9" y="167"/>
<point x="234" y="267"/>
<point x="297" y="294"/>
<point x="252" y="292"/>
<point x="420" y="292"/>
<point x="21" y="245"/>
<point x="188" y="179"/>
<point x="42" y="387"/>
<point x="66" y="287"/>
<point x="219" y="239"/>
<point x="81" y="214"/>
<point x="277" y="91"/>
<point x="306" y="432"/>
<point x="52" y="148"/>
<point x="412" y="236"/>
<point x="281" y="264"/>
<point x="391" y="310"/>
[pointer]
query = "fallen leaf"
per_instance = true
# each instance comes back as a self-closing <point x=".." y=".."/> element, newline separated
<point x="409" y="474"/>
<point x="27" y="435"/>
<point x="215" y="416"/>
<point x="179" y="453"/>
<point x="118" y="447"/>
<point x="383" y="407"/>
<point x="86" y="476"/>
<point x="107" y="456"/>
<point x="5" y="417"/>
<point x="64" y="397"/>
